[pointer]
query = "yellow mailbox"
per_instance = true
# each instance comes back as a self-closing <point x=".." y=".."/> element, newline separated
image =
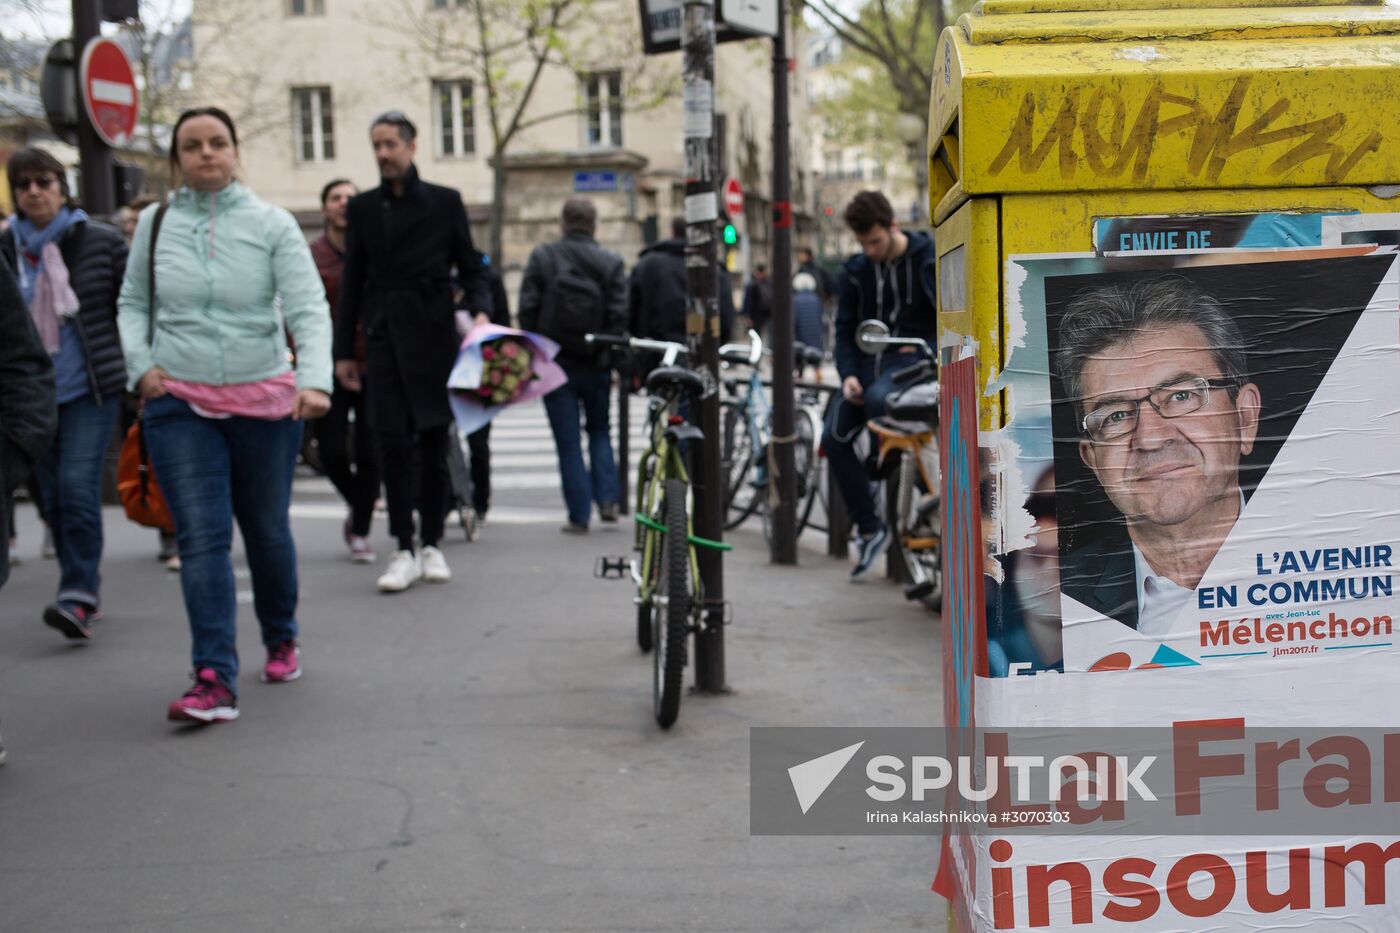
<point x="1169" y="329"/>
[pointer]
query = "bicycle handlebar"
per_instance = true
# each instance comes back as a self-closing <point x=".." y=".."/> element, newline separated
<point x="917" y="342"/>
<point x="670" y="352"/>
<point x="752" y="351"/>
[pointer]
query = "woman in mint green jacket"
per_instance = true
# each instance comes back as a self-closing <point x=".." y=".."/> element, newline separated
<point x="222" y="404"/>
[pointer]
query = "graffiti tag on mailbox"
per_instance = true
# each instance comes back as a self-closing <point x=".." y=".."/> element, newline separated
<point x="1092" y="128"/>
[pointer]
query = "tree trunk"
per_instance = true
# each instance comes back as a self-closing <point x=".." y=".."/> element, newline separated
<point x="498" y="209"/>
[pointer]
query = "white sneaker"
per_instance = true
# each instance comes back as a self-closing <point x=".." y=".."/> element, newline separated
<point x="404" y="570"/>
<point x="435" y="569"/>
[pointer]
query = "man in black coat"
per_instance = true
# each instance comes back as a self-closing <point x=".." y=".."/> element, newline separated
<point x="597" y="289"/>
<point x="28" y="415"/>
<point x="403" y="240"/>
<point x="758" y="299"/>
<point x="656" y="296"/>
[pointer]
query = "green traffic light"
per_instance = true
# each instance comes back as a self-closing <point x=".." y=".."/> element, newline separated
<point x="731" y="236"/>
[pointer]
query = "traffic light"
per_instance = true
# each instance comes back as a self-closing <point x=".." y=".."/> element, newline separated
<point x="731" y="236"/>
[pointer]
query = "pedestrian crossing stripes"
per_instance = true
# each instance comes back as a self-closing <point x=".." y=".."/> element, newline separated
<point x="524" y="468"/>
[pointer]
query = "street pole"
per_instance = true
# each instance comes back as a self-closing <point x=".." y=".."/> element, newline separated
<point x="702" y="324"/>
<point x="781" y="459"/>
<point x="624" y="432"/>
<point x="99" y="182"/>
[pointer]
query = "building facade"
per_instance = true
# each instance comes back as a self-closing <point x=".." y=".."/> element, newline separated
<point x="883" y="158"/>
<point x="310" y="76"/>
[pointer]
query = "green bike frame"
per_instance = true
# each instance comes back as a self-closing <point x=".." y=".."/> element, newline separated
<point x="661" y="461"/>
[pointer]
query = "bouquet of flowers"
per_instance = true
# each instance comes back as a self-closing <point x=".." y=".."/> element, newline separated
<point x="499" y="366"/>
<point x="507" y="366"/>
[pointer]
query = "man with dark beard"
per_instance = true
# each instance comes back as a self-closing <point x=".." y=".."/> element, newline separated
<point x="403" y="240"/>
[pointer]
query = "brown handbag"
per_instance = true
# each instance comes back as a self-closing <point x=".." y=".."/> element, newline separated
<point x="137" y="487"/>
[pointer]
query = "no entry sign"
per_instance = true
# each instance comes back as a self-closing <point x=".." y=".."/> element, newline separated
<point x="109" y="91"/>
<point x="733" y="197"/>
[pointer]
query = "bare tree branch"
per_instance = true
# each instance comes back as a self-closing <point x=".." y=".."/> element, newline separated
<point x="506" y="48"/>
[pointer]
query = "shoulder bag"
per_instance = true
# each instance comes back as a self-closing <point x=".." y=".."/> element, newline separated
<point x="137" y="487"/>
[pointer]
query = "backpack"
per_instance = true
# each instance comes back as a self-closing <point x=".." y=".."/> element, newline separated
<point x="572" y="304"/>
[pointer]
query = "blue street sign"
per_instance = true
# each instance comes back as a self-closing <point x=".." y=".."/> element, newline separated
<point x="595" y="181"/>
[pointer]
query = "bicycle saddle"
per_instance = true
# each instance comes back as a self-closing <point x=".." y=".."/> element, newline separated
<point x="802" y="353"/>
<point x="675" y="377"/>
<point x="736" y="356"/>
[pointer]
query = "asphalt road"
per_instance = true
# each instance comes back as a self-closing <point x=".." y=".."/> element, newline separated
<point x="478" y="755"/>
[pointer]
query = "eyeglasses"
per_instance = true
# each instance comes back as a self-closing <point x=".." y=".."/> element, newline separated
<point x="43" y="183"/>
<point x="1115" y="420"/>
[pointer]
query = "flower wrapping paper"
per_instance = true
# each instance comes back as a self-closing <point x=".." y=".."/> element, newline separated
<point x="473" y="413"/>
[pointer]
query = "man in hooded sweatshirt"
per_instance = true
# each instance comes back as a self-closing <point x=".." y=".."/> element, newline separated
<point x="892" y="280"/>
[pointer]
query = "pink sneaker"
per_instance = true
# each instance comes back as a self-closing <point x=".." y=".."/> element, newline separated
<point x="282" y="664"/>
<point x="361" y="552"/>
<point x="207" y="701"/>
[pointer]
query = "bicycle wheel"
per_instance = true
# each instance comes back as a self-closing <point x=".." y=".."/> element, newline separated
<point x="671" y="612"/>
<point x="741" y="496"/>
<point x="648" y="546"/>
<point x="650" y="555"/>
<point x="916" y="535"/>
<point x="805" y="457"/>
<point x="804" y="463"/>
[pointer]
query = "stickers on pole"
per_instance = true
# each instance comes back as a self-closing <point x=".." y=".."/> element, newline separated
<point x="698" y="108"/>
<point x="701" y="208"/>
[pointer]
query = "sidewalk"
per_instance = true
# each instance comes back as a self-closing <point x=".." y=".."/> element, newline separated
<point x="477" y="756"/>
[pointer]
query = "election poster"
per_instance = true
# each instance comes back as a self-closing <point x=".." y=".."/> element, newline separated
<point x="1193" y="450"/>
<point x="1192" y="517"/>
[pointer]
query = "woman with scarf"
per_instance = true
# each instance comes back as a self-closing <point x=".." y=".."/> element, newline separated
<point x="223" y="407"/>
<point x="69" y="270"/>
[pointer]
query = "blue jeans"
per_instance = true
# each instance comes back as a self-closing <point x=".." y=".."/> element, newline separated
<point x="213" y="470"/>
<point x="69" y="481"/>
<point x="596" y="482"/>
<point x="845" y="423"/>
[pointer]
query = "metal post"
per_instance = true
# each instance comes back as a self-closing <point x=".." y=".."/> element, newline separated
<point x="780" y="453"/>
<point x="624" y="436"/>
<point x="702" y="323"/>
<point x="99" y="184"/>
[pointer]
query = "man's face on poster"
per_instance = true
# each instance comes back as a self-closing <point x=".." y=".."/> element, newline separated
<point x="1161" y="466"/>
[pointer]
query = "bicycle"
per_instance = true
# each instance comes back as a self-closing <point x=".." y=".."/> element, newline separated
<point x="906" y="456"/>
<point x="746" y="421"/>
<point x="670" y="600"/>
